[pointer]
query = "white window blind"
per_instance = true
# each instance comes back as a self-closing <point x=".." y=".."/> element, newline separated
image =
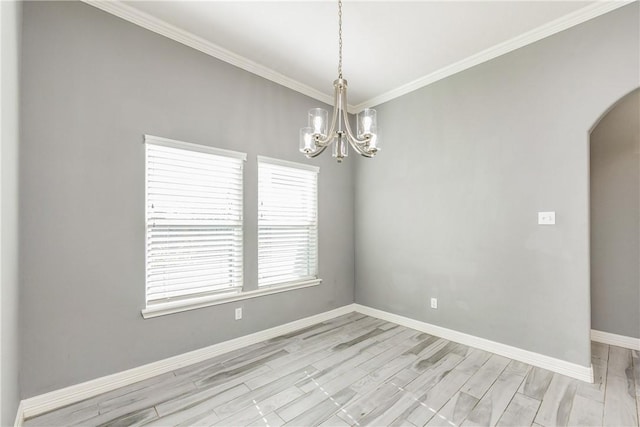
<point x="193" y="219"/>
<point x="287" y="222"/>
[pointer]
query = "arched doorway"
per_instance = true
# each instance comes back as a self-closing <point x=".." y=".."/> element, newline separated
<point x="615" y="219"/>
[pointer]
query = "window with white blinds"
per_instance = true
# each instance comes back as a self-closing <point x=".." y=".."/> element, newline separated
<point x="287" y="222"/>
<point x="193" y="221"/>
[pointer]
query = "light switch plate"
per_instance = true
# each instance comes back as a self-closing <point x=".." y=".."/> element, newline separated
<point x="546" y="218"/>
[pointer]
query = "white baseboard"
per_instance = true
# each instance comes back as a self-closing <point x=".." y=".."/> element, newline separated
<point x="40" y="404"/>
<point x="563" y="367"/>
<point x="19" y="416"/>
<point x="615" y="339"/>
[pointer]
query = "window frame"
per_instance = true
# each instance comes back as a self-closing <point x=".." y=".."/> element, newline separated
<point x="178" y="306"/>
<point x="195" y="301"/>
<point x="307" y="280"/>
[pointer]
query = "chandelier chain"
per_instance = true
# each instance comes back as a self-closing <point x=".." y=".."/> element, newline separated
<point x="340" y="38"/>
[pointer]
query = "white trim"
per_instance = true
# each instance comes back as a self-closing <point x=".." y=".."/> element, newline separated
<point x="161" y="27"/>
<point x="194" y="303"/>
<point x="174" y="143"/>
<point x="615" y="339"/>
<point x="38" y="405"/>
<point x="280" y="162"/>
<point x="19" y="421"/>
<point x="43" y="403"/>
<point x="563" y="367"/>
<point x="570" y="20"/>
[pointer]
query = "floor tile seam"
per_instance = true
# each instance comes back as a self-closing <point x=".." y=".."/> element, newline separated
<point x="256" y="404"/>
<point x="338" y="408"/>
<point x="511" y="400"/>
<point x="460" y="391"/>
<point x="329" y="331"/>
<point x="420" y="396"/>
<point x="352" y="368"/>
<point x="493" y="382"/>
<point x="333" y="334"/>
<point x="362" y="396"/>
<point x="479" y="367"/>
<point x="606" y="383"/>
<point x="200" y="377"/>
<point x="250" y="375"/>
<point x="348" y="329"/>
<point x="385" y="362"/>
<point x="112" y="409"/>
<point x="408" y="347"/>
<point x="248" y="361"/>
<point x="348" y="334"/>
<point x="276" y="391"/>
<point x="276" y="378"/>
<point x="538" y="410"/>
<point x="304" y="393"/>
<point x="301" y="357"/>
<point x="488" y="389"/>
<point x="402" y="367"/>
<point x="452" y="369"/>
<point x="199" y="402"/>
<point x="419" y="399"/>
<point x="152" y="387"/>
<point x="383" y="352"/>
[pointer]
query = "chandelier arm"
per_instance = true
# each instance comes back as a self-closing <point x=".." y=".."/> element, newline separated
<point x="327" y="140"/>
<point x="352" y="138"/>
<point x="360" y="149"/>
<point x="316" y="153"/>
<point x="361" y="146"/>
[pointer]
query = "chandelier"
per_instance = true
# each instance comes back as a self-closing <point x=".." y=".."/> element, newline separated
<point x="315" y="138"/>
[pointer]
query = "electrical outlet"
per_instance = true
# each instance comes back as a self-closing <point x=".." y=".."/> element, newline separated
<point x="546" y="218"/>
<point x="434" y="302"/>
<point x="238" y="313"/>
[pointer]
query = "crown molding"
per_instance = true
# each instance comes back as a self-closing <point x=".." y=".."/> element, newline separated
<point x="570" y="20"/>
<point x="144" y="20"/>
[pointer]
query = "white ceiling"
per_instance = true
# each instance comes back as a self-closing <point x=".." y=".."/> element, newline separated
<point x="390" y="47"/>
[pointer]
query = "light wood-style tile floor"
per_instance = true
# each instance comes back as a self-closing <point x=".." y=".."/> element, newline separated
<point x="357" y="370"/>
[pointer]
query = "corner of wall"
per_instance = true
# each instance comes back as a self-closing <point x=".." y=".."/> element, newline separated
<point x="10" y="43"/>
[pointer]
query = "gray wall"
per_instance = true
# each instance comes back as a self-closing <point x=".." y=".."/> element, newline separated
<point x="93" y="84"/>
<point x="449" y="207"/>
<point x="10" y="13"/>
<point x="615" y="220"/>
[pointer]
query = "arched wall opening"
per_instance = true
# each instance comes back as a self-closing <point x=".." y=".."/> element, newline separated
<point x="614" y="194"/>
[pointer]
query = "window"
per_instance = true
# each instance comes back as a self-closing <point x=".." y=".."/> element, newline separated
<point x="193" y="222"/>
<point x="287" y="222"/>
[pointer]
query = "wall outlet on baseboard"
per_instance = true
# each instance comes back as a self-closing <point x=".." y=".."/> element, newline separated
<point x="434" y="302"/>
<point x="238" y="313"/>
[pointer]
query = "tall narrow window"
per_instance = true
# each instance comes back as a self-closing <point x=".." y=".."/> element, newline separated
<point x="194" y="221"/>
<point x="287" y="222"/>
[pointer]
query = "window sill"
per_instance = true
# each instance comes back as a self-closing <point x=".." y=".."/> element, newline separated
<point x="192" y="304"/>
